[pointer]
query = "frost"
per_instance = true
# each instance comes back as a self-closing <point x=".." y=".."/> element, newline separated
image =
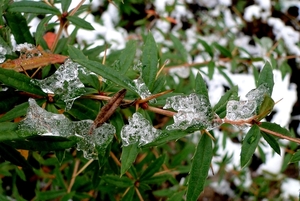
<point x="46" y="123"/>
<point x="243" y="110"/>
<point x="28" y="50"/>
<point x="64" y="83"/>
<point x="193" y="110"/>
<point x="139" y="130"/>
<point x="3" y="52"/>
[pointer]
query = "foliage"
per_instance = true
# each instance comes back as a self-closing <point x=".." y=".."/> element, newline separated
<point x="82" y="121"/>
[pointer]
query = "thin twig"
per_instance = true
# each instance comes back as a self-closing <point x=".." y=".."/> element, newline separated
<point x="280" y="135"/>
<point x="73" y="175"/>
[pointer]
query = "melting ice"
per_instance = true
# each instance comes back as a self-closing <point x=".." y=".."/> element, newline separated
<point x="64" y="83"/>
<point x="139" y="130"/>
<point x="193" y="110"/>
<point x="3" y="52"/>
<point x="46" y="123"/>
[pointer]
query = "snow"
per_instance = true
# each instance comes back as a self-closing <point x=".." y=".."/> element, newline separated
<point x="252" y="12"/>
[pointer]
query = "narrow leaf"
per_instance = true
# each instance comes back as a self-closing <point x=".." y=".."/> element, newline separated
<point x="129" y="195"/>
<point x="12" y="155"/>
<point x="200" y="86"/>
<point x="249" y="144"/>
<point x="296" y="157"/>
<point x="65" y="5"/>
<point x="122" y="182"/>
<point x="50" y="194"/>
<point x="265" y="108"/>
<point x="272" y="142"/>
<point x="19" y="28"/>
<point x="19" y="81"/>
<point x="266" y="76"/>
<point x="80" y="22"/>
<point x="100" y="69"/>
<point x="127" y="56"/>
<point x="32" y="7"/>
<point x="7" y="131"/>
<point x="207" y="47"/>
<point x="149" y="61"/>
<point x="128" y="156"/>
<point x="225" y="52"/>
<point x="220" y="107"/>
<point x="200" y="167"/>
<point x="275" y="127"/>
<point x="179" y="47"/>
<point x="40" y="31"/>
<point x="152" y="168"/>
<point x="159" y="179"/>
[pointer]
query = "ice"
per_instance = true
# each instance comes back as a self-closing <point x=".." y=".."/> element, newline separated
<point x="138" y="130"/>
<point x="142" y="89"/>
<point x="64" y="83"/>
<point x="193" y="110"/>
<point x="258" y="94"/>
<point x="243" y="110"/>
<point x="3" y="52"/>
<point x="28" y="50"/>
<point x="42" y="122"/>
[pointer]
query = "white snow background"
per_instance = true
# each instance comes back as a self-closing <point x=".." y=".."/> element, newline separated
<point x="282" y="90"/>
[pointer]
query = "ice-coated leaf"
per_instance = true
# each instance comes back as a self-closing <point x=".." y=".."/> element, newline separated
<point x="19" y="81"/>
<point x="249" y="145"/>
<point x="100" y="69"/>
<point x="258" y="94"/>
<point x="237" y="110"/>
<point x="193" y="110"/>
<point x="39" y="121"/>
<point x="266" y="77"/>
<point x="142" y="89"/>
<point x="64" y="83"/>
<point x="3" y="52"/>
<point x="128" y="156"/>
<point x="138" y="130"/>
<point x="33" y="7"/>
<point x="149" y="61"/>
<point x="200" y="167"/>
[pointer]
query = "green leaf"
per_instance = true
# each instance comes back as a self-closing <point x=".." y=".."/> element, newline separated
<point x="128" y="156"/>
<point x="8" y="131"/>
<point x="42" y="143"/>
<point x="129" y="195"/>
<point x="80" y="22"/>
<point x="50" y="194"/>
<point x="200" y="86"/>
<point x="207" y="48"/>
<point x="225" y="52"/>
<point x="149" y="61"/>
<point x="159" y="179"/>
<point x="266" y="76"/>
<point x="40" y="31"/>
<point x="200" y="167"/>
<point x="117" y="181"/>
<point x="152" y="168"/>
<point x="65" y="4"/>
<point x="249" y="144"/>
<point x="296" y="157"/>
<point x="159" y="84"/>
<point x="60" y="155"/>
<point x="220" y="107"/>
<point x="272" y="142"/>
<point x="275" y="128"/>
<point x="32" y="7"/>
<point x="211" y="69"/>
<point x="182" y="155"/>
<point x="285" y="69"/>
<point x="19" y="81"/>
<point x="179" y="47"/>
<point x="100" y="69"/>
<point x="10" y="154"/>
<point x="127" y="56"/>
<point x="18" y="111"/>
<point x="84" y="109"/>
<point x="178" y="196"/>
<point x="265" y="108"/>
<point x="19" y="28"/>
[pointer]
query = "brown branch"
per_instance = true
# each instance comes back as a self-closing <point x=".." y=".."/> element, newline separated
<point x="280" y="135"/>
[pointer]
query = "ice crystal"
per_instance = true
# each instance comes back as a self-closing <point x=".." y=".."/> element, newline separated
<point x="64" y="83"/>
<point x="142" y="89"/>
<point x="42" y="122"/>
<point x="28" y="50"/>
<point x="193" y="110"/>
<point x="258" y="93"/>
<point x="138" y="130"/>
